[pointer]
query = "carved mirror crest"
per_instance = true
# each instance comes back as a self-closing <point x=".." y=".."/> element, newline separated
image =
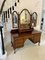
<point x="15" y="19"/>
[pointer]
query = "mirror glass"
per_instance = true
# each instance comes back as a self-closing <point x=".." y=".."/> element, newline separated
<point x="15" y="20"/>
<point x="25" y="19"/>
<point x="34" y="19"/>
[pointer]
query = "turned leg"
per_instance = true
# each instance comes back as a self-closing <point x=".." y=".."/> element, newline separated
<point x="39" y="43"/>
<point x="14" y="50"/>
<point x="11" y="44"/>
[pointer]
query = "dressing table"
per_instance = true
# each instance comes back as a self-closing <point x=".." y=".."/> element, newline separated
<point x="23" y="28"/>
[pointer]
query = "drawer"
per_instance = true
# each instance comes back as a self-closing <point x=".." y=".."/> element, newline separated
<point x="28" y="37"/>
<point x="36" y="38"/>
<point x="18" y="45"/>
<point x="18" y="40"/>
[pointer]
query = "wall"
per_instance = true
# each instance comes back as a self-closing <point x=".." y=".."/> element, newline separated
<point x="43" y="4"/>
<point x="31" y="5"/>
<point x="1" y="1"/>
<point x="43" y="15"/>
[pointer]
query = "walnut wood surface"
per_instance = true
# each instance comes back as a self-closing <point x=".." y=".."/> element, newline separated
<point x="18" y="39"/>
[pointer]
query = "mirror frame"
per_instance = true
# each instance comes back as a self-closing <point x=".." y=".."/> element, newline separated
<point x="29" y="14"/>
<point x="34" y="21"/>
<point x="13" y="19"/>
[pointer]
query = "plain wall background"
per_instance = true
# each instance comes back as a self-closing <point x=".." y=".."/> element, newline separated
<point x="43" y="4"/>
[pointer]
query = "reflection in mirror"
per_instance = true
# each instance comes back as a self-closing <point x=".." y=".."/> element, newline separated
<point x="34" y="19"/>
<point x="15" y="19"/>
<point x="25" y="19"/>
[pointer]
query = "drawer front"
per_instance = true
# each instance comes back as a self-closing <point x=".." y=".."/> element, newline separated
<point x="28" y="36"/>
<point x="18" y="45"/>
<point x="18" y="40"/>
<point x="36" y="38"/>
